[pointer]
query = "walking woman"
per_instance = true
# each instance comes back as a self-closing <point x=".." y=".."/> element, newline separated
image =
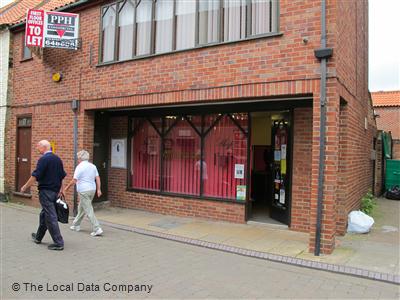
<point x="87" y="180"/>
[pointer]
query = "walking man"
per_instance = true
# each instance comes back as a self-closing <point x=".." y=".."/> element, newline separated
<point x="49" y="173"/>
<point x="87" y="180"/>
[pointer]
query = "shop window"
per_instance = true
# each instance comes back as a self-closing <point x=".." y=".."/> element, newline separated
<point x="182" y="151"/>
<point x="146" y="151"/>
<point x="143" y="27"/>
<point x="126" y="19"/>
<point x="208" y="21"/>
<point x="201" y="155"/>
<point x="108" y="33"/>
<point x="185" y="24"/>
<point x="164" y="25"/>
<point x="225" y="156"/>
<point x="234" y="19"/>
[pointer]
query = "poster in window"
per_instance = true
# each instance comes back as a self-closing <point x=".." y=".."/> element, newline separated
<point x="239" y="171"/>
<point x="118" y="153"/>
<point x="241" y="192"/>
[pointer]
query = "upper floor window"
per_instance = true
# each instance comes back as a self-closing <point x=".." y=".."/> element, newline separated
<point x="108" y="33"/>
<point x="26" y="53"/>
<point x="143" y="27"/>
<point x="125" y="30"/>
<point x="209" y="22"/>
<point x="164" y="19"/>
<point x="132" y="28"/>
<point x="185" y="24"/>
<point x="234" y="14"/>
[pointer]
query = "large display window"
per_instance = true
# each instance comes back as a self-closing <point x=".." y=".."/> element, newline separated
<point x="195" y="155"/>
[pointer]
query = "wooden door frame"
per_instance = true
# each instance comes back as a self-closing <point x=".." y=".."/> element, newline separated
<point x="104" y="181"/>
<point x="18" y="117"/>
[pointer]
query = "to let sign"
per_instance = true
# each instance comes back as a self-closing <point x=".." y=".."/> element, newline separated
<point x="51" y="29"/>
<point x="34" y="28"/>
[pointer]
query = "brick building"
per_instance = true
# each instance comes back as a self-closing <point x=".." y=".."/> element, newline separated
<point x="208" y="109"/>
<point x="387" y="107"/>
<point x="10" y="14"/>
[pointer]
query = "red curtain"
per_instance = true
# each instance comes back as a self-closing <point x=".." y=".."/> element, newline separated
<point x="225" y="149"/>
<point x="146" y="150"/>
<point x="181" y="154"/>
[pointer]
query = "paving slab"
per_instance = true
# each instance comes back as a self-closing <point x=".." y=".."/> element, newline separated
<point x="373" y="255"/>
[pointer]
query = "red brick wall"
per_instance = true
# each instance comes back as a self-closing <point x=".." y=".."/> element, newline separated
<point x="331" y="167"/>
<point x="355" y="175"/>
<point x="396" y="149"/>
<point x="52" y="122"/>
<point x="389" y="120"/>
<point x="261" y="60"/>
<point x="355" y="164"/>
<point x="301" y="182"/>
<point x="351" y="48"/>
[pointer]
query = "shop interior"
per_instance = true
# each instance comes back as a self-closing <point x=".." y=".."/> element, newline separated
<point x="269" y="167"/>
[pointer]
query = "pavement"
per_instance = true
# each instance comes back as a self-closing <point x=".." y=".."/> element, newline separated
<point x="375" y="255"/>
<point x="125" y="264"/>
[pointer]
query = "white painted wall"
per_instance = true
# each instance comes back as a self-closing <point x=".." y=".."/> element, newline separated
<point x="4" y="56"/>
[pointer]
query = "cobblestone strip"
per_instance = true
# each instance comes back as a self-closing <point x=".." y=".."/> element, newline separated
<point x="357" y="272"/>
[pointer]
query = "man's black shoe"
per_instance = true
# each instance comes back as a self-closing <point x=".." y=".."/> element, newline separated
<point x="34" y="239"/>
<point x="55" y="247"/>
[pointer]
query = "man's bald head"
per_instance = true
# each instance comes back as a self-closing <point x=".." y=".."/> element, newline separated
<point x="43" y="146"/>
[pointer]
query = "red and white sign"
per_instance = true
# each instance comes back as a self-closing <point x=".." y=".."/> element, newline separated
<point x="50" y="29"/>
<point x="34" y="28"/>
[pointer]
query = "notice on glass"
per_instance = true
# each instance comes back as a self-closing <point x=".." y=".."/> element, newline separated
<point x="283" y="166"/>
<point x="118" y="153"/>
<point x="241" y="192"/>
<point x="283" y="151"/>
<point x="277" y="155"/>
<point x="239" y="171"/>
<point x="282" y="196"/>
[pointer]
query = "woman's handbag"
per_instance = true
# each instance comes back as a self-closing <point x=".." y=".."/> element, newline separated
<point x="62" y="210"/>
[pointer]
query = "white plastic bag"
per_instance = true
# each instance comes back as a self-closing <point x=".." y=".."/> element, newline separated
<point x="359" y="222"/>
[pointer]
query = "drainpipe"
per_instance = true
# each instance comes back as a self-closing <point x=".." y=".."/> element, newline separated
<point x="75" y="108"/>
<point x="322" y="54"/>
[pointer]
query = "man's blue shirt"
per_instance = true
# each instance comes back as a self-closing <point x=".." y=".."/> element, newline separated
<point x="49" y="172"/>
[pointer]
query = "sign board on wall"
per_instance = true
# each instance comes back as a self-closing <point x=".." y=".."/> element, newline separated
<point x="50" y="29"/>
<point x="34" y="28"/>
<point x="118" y="153"/>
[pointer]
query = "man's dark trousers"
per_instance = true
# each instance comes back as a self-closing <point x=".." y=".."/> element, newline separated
<point x="48" y="217"/>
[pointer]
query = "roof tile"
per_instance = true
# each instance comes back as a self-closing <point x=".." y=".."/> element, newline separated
<point x="15" y="12"/>
<point x="391" y="98"/>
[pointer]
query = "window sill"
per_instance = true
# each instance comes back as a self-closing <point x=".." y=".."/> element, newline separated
<point x="24" y="195"/>
<point x="26" y="59"/>
<point x="191" y="197"/>
<point x="256" y="37"/>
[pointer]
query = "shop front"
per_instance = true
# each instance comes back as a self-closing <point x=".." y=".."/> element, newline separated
<point x="232" y="155"/>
